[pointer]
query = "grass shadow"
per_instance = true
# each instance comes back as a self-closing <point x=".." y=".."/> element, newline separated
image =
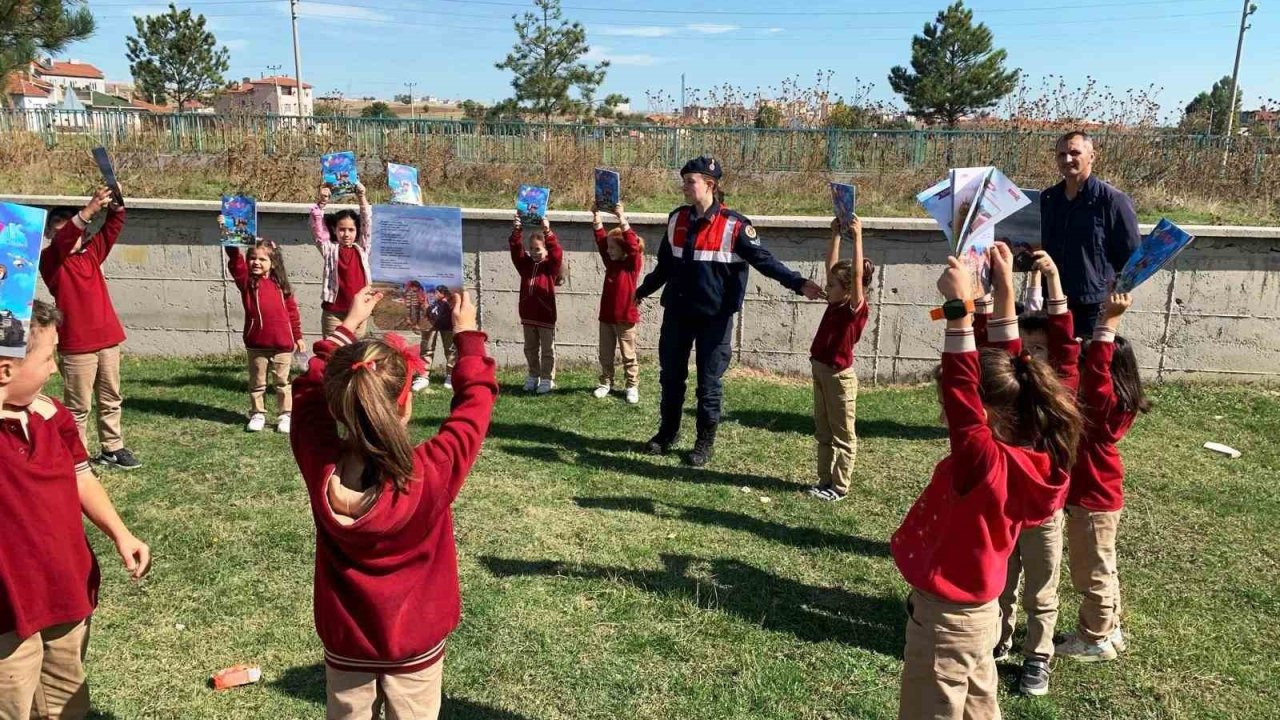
<point x="306" y="682"/>
<point x="807" y="612"/>
<point x="238" y="382"/>
<point x="798" y="537"/>
<point x="183" y="410"/>
<point x="782" y="421"/>
<point x="95" y="714"/>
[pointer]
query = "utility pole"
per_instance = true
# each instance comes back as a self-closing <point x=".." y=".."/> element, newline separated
<point x="1248" y="9"/>
<point x="297" y="55"/>
<point x="681" y="94"/>
<point x="273" y="69"/>
<point x="411" y="85"/>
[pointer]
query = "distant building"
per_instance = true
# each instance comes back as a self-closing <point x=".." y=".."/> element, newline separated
<point x="26" y="93"/>
<point x="1261" y="118"/>
<point x="275" y="95"/>
<point x="69" y="74"/>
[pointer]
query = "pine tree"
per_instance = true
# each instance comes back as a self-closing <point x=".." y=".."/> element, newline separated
<point x="954" y="70"/>
<point x="28" y="29"/>
<point x="545" y="61"/>
<point x="175" y="58"/>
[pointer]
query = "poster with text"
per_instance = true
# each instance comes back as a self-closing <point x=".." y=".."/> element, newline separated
<point x="414" y="251"/>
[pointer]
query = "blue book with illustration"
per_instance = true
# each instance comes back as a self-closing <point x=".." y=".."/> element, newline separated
<point x="608" y="189"/>
<point x="844" y="198"/>
<point x="1157" y="249"/>
<point x="338" y="171"/>
<point x="21" y="231"/>
<point x="403" y="181"/>
<point x="239" y="220"/>
<point x="531" y="204"/>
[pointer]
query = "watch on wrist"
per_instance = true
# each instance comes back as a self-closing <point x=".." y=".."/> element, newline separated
<point x="952" y="310"/>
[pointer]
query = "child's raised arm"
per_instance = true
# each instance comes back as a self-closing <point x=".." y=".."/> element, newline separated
<point x="516" y="242"/>
<point x="237" y="266"/>
<point x="366" y="217"/>
<point x="1002" y="329"/>
<point x="1097" y="391"/>
<point x="1064" y="351"/>
<point x="858" y="291"/>
<point x="320" y="231"/>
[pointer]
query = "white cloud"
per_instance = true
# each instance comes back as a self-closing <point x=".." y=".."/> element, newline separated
<point x="773" y="30"/>
<point x="336" y="12"/>
<point x="599" y="52"/>
<point x="650" y="31"/>
<point x="712" y="29"/>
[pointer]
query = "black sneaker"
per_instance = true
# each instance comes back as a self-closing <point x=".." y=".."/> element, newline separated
<point x="1035" y="678"/>
<point x="659" y="444"/>
<point x="121" y="458"/>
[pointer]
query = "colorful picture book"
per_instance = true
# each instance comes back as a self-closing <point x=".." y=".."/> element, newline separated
<point x="608" y="189"/>
<point x="239" y="220"/>
<point x="413" y="251"/>
<point x="21" y="231"/>
<point x="108" y="174"/>
<point x="403" y="180"/>
<point x="844" y="199"/>
<point x="531" y="204"/>
<point x="968" y="206"/>
<point x="338" y="171"/>
<point x="1157" y="249"/>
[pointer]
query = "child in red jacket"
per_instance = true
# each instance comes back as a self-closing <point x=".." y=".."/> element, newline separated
<point x="91" y="334"/>
<point x="386" y="572"/>
<point x="623" y="254"/>
<point x="1110" y="397"/>
<point x="48" y="573"/>
<point x="539" y="269"/>
<point x="1014" y="431"/>
<point x="272" y="328"/>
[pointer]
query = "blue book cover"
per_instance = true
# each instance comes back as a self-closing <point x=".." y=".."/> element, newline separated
<point x="844" y="198"/>
<point x="403" y="181"/>
<point x="1157" y="249"/>
<point x="21" y="232"/>
<point x="338" y="171"/>
<point x="413" y="252"/>
<point x="608" y="189"/>
<point x="239" y="220"/>
<point x="531" y="204"/>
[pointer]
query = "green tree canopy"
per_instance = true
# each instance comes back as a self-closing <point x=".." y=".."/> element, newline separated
<point x="175" y="58"/>
<point x="1208" y="111"/>
<point x="546" y="64"/>
<point x="33" y="27"/>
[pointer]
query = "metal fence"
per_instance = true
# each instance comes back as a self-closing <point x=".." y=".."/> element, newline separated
<point x="854" y="152"/>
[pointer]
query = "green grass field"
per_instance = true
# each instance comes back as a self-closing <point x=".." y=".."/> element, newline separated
<point x="598" y="582"/>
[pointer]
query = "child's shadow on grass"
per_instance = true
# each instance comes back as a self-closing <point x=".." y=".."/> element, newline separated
<point x="799" y="537"/>
<point x="791" y="422"/>
<point x="183" y="410"/>
<point x="808" y="612"/>
<point x="306" y="682"/>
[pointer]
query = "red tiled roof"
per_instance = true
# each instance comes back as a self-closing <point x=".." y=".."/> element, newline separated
<point x="70" y="69"/>
<point x="280" y="80"/>
<point x="17" y="85"/>
<point x="151" y="107"/>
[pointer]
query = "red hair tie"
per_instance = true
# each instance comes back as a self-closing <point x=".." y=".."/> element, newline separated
<point x="413" y="364"/>
<point x="364" y="365"/>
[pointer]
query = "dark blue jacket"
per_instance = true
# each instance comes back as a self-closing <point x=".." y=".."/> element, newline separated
<point x="711" y="281"/>
<point x="1089" y="238"/>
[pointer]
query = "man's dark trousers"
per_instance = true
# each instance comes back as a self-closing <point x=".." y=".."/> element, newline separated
<point x="710" y="336"/>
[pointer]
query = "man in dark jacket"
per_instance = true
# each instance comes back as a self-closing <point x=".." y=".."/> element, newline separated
<point x="1089" y="229"/>
<point x="703" y="262"/>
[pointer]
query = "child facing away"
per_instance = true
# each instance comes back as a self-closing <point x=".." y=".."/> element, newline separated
<point x="835" y="380"/>
<point x="539" y="268"/>
<point x="343" y="240"/>
<point x="272" y="328"/>
<point x="623" y="254"/>
<point x="48" y="574"/>
<point x="439" y="322"/>
<point x="91" y="335"/>
<point x="386" y="572"/>
<point x="1013" y="430"/>
<point x="1111" y="397"/>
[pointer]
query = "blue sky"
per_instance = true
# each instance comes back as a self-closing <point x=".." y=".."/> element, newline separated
<point x="449" y="47"/>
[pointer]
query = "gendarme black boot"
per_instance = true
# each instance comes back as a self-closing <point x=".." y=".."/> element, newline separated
<point x="661" y="443"/>
<point x="703" y="448"/>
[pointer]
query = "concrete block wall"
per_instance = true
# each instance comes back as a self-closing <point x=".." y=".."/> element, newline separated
<point x="1215" y="314"/>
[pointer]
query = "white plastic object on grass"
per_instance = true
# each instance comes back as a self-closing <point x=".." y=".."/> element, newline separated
<point x="1224" y="449"/>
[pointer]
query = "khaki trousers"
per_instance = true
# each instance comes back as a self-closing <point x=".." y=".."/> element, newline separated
<point x="363" y="696"/>
<point x="94" y="376"/>
<point x="330" y="322"/>
<point x="42" y="677"/>
<point x="1037" y="557"/>
<point x="1091" y="542"/>
<point x="427" y="347"/>
<point x="620" y="337"/>
<point x="948" y="671"/>
<point x="267" y="365"/>
<point x="835" y="405"/>
<point x="540" y="351"/>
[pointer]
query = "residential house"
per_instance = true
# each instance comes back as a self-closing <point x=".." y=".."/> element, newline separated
<point x="275" y="95"/>
<point x="70" y="74"/>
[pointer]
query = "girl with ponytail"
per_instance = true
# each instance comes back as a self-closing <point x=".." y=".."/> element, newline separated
<point x="1013" y="431"/>
<point x="386" y="573"/>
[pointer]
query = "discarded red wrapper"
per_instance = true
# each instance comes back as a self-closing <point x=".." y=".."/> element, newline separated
<point x="235" y="676"/>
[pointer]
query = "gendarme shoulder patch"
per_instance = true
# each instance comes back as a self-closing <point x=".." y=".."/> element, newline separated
<point x="750" y="232"/>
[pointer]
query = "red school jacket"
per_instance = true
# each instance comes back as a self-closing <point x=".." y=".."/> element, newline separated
<point x="271" y="320"/>
<point x="618" y="297"/>
<point x="79" y="288"/>
<point x="537" y="280"/>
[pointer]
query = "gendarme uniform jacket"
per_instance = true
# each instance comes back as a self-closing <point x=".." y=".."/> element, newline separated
<point x="703" y="262"/>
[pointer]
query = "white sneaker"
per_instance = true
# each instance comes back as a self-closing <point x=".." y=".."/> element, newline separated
<point x="448" y="383"/>
<point x="531" y="383"/>
<point x="420" y="383"/>
<point x="257" y="422"/>
<point x="633" y="395"/>
<point x="1080" y="651"/>
<point x="284" y="423"/>
<point x="602" y="391"/>
<point x="1117" y="640"/>
<point x="546" y="386"/>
